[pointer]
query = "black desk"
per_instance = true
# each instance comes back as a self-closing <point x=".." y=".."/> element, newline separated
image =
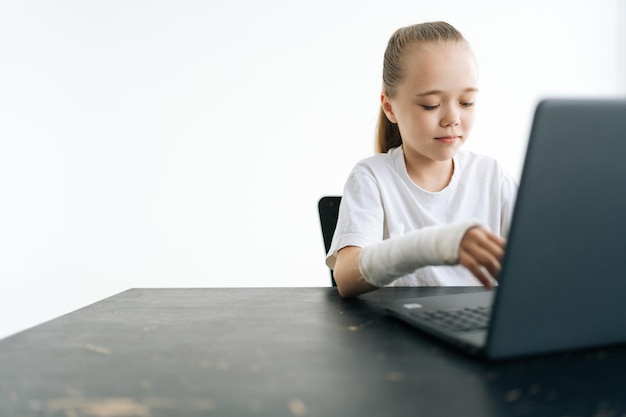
<point x="280" y="352"/>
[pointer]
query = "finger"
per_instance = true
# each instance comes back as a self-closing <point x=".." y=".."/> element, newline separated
<point x="482" y="277"/>
<point x="481" y="231"/>
<point x="499" y="240"/>
<point x="475" y="256"/>
<point x="487" y="248"/>
<point x="472" y="264"/>
<point x="480" y="241"/>
<point x="489" y="260"/>
<point x="482" y="250"/>
<point x="487" y="239"/>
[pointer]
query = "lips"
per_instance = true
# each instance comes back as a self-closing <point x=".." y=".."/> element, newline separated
<point x="448" y="139"/>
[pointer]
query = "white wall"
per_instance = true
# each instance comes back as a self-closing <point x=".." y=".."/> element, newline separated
<point x="186" y="143"/>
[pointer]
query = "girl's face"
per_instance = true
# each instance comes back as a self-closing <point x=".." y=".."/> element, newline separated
<point x="434" y="104"/>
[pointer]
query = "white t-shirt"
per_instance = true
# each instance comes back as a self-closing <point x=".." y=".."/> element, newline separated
<point x="380" y="201"/>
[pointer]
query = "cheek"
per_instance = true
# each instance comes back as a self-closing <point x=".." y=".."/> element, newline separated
<point x="418" y="126"/>
<point x="425" y="121"/>
<point x="468" y="120"/>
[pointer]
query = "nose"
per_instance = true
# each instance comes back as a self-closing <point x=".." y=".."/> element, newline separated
<point x="451" y="117"/>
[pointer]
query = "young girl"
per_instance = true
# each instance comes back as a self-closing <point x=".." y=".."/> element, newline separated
<point x="421" y="211"/>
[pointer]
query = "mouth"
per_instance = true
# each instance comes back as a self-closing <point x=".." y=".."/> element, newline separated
<point x="448" y="139"/>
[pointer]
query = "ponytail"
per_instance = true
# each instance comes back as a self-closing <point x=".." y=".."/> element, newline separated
<point x="387" y="134"/>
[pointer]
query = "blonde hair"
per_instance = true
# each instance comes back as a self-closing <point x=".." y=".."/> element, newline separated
<point x="387" y="133"/>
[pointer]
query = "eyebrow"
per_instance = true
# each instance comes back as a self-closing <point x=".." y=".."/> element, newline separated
<point x="437" y="92"/>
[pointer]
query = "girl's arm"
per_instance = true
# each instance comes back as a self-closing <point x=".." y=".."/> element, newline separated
<point x="347" y="275"/>
<point x="479" y="250"/>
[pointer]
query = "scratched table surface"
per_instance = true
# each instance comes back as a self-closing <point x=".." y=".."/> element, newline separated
<point x="281" y="352"/>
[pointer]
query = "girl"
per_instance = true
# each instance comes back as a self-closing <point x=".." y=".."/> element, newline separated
<point x="421" y="211"/>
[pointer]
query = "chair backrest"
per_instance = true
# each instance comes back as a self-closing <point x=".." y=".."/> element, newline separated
<point x="328" y="208"/>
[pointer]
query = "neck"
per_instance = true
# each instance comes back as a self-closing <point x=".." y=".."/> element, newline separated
<point x="430" y="175"/>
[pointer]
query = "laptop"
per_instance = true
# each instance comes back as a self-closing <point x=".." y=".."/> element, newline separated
<point x="563" y="280"/>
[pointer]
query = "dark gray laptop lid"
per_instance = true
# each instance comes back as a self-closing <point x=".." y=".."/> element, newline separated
<point x="563" y="283"/>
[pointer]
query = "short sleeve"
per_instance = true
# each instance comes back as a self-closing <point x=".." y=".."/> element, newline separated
<point x="361" y="217"/>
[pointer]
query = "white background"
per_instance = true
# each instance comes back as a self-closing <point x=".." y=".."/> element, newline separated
<point x="186" y="143"/>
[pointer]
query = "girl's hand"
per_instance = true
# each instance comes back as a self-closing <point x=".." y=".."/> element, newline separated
<point x="481" y="252"/>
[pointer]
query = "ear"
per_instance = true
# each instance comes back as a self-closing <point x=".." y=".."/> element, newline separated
<point x="388" y="108"/>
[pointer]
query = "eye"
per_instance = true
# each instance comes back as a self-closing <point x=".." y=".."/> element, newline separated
<point x="467" y="104"/>
<point x="430" y="108"/>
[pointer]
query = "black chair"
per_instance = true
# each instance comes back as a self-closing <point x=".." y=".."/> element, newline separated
<point x="328" y="208"/>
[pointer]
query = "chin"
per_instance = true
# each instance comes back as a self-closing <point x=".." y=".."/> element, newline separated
<point x="446" y="156"/>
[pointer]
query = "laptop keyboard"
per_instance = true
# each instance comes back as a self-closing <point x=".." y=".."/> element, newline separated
<point x="463" y="319"/>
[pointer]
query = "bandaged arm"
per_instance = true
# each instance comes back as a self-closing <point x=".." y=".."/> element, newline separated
<point x="382" y="263"/>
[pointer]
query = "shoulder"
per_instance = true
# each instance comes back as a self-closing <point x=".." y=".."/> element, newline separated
<point x="484" y="166"/>
<point x="381" y="173"/>
<point x="379" y="160"/>
<point x="481" y="174"/>
<point x="381" y="164"/>
<point x="375" y="177"/>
